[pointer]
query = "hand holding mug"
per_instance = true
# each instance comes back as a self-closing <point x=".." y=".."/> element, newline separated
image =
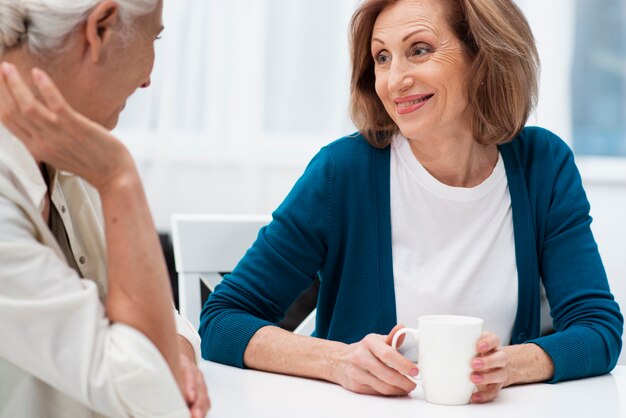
<point x="490" y="368"/>
<point x="446" y="348"/>
<point x="372" y="367"/>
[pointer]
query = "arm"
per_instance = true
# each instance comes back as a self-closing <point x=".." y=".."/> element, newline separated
<point x="527" y="363"/>
<point x="369" y="366"/>
<point x="139" y="292"/>
<point x="238" y="321"/>
<point x="281" y="263"/>
<point x="101" y="364"/>
<point x="586" y="318"/>
<point x="138" y="287"/>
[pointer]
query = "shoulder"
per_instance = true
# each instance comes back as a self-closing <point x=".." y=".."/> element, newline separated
<point x="538" y="145"/>
<point x="349" y="144"/>
<point x="351" y="153"/>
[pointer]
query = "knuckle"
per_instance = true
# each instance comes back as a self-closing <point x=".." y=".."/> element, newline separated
<point x="29" y="109"/>
<point x="58" y="107"/>
<point x="387" y="356"/>
<point x="360" y="358"/>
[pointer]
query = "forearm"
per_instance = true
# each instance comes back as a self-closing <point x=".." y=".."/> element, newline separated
<point x="276" y="350"/>
<point x="528" y="363"/>
<point x="139" y="290"/>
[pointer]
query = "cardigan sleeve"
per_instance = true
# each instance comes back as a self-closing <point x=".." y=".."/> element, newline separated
<point x="282" y="262"/>
<point x="587" y="320"/>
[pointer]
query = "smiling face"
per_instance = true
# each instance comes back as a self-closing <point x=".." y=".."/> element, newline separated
<point x="421" y="70"/>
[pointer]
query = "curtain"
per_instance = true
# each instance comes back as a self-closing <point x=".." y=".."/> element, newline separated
<point x="244" y="79"/>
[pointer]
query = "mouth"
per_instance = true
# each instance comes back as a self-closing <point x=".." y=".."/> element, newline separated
<point x="410" y="104"/>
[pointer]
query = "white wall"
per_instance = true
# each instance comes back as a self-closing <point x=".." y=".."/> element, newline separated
<point x="223" y="187"/>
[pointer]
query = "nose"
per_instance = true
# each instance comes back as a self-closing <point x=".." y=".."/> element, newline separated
<point x="400" y="77"/>
<point x="146" y="84"/>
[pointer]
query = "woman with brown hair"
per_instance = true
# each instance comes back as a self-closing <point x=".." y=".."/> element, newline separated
<point x="442" y="203"/>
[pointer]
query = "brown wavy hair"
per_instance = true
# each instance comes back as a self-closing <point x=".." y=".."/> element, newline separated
<point x="504" y="76"/>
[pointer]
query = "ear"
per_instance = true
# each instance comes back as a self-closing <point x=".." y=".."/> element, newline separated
<point x="100" y="26"/>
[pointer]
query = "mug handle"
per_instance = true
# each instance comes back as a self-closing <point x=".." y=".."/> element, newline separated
<point x="394" y="342"/>
<point x="412" y="331"/>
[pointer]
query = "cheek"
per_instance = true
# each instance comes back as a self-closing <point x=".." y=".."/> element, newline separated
<point x="380" y="86"/>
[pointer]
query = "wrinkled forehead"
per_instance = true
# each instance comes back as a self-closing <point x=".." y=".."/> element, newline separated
<point x="410" y="15"/>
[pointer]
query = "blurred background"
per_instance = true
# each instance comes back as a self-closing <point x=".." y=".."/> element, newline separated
<point x="245" y="92"/>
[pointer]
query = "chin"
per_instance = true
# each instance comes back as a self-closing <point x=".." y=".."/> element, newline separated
<point x="412" y="131"/>
<point x="111" y="123"/>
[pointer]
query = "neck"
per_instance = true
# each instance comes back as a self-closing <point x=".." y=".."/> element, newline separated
<point x="458" y="162"/>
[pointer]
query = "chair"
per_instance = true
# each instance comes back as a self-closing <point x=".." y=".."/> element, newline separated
<point x="206" y="247"/>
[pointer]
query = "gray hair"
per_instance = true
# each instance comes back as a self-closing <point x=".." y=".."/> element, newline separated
<point x="44" y="24"/>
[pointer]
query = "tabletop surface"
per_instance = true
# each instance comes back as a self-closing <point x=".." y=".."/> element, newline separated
<point x="249" y="393"/>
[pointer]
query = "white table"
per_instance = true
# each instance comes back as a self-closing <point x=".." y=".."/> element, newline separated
<point x="248" y="393"/>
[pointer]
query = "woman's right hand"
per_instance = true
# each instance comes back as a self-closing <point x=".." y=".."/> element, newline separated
<point x="57" y="134"/>
<point x="371" y="366"/>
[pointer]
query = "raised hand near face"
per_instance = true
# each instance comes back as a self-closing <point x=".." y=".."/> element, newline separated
<point x="57" y="134"/>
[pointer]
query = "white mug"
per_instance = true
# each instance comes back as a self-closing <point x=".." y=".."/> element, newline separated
<point x="446" y="346"/>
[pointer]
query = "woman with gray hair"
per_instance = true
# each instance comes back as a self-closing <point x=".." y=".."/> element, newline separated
<point x="88" y="327"/>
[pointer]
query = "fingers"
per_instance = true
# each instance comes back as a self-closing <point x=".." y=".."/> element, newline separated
<point x="490" y="368"/>
<point x="392" y="333"/>
<point x="493" y="376"/>
<point x="7" y="104"/>
<point x="195" y="390"/>
<point x="26" y="101"/>
<point x="390" y="356"/>
<point x="369" y="384"/>
<point x="9" y="111"/>
<point x="50" y="94"/>
<point x="375" y="365"/>
<point x="384" y="363"/>
<point x="486" y="393"/>
<point x="202" y="404"/>
<point x="189" y="380"/>
<point x="24" y="115"/>
<point x="487" y="342"/>
<point x="496" y="360"/>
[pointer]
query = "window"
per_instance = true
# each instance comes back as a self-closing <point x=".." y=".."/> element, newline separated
<point x="245" y="80"/>
<point x="599" y="78"/>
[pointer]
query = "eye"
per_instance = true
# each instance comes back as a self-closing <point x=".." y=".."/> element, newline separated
<point x="420" y="50"/>
<point x="382" y="58"/>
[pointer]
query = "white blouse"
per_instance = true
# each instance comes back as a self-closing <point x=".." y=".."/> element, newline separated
<point x="59" y="354"/>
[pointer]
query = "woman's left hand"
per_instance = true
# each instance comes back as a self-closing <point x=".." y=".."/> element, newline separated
<point x="490" y="368"/>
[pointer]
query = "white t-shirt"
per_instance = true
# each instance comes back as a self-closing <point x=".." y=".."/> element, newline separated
<point x="453" y="247"/>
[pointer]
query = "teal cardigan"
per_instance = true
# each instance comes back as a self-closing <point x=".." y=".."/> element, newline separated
<point x="336" y="223"/>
